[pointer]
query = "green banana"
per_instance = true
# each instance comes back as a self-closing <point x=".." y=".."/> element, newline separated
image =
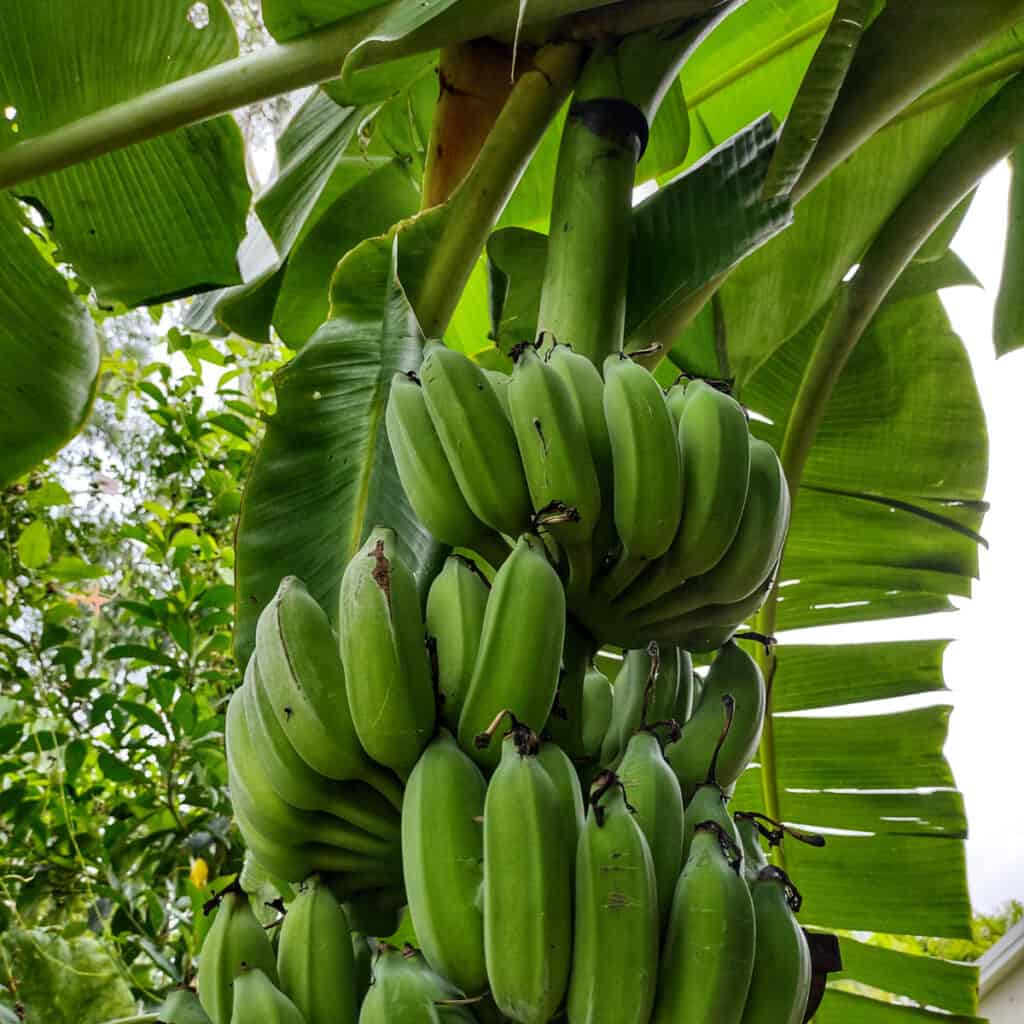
<point x="713" y="439"/>
<point x="295" y="861"/>
<point x="675" y="399"/>
<point x="314" y="957"/>
<point x="383" y="648"/>
<point x="708" y="958"/>
<point x="645" y="691"/>
<point x="298" y="784"/>
<point x="648" y="481"/>
<point x="455" y="619"/>
<point x="406" y="991"/>
<point x="687" y="689"/>
<point x="708" y="628"/>
<point x="563" y="774"/>
<point x="442" y="853"/>
<point x="257" y="999"/>
<point x="520" y="650"/>
<point x="555" y="453"/>
<point x="708" y="802"/>
<point x="781" y="982"/>
<point x="527" y="888"/>
<point x="254" y="796"/>
<point x="653" y="792"/>
<point x="499" y="382"/>
<point x="597" y="710"/>
<point x="303" y="677"/>
<point x="732" y="672"/>
<point x="235" y="940"/>
<point x="750" y="832"/>
<point x="182" y="1006"/>
<point x="423" y="468"/>
<point x="754" y="553"/>
<point x="477" y="438"/>
<point x="586" y="388"/>
<point x="615" y="935"/>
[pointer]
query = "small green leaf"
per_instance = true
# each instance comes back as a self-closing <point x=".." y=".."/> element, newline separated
<point x="34" y="545"/>
<point x="139" y="652"/>
<point x="74" y="757"/>
<point x="114" y="769"/>
<point x="50" y="494"/>
<point x="144" y="714"/>
<point x="69" y="568"/>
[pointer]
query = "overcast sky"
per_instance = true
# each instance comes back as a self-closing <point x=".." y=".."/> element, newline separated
<point x="983" y="665"/>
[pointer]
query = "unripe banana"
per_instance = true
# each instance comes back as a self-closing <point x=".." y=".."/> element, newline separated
<point x="687" y="689"/>
<point x="597" y="710"/>
<point x="615" y="937"/>
<point x="520" y="651"/>
<point x="648" y="482"/>
<point x="645" y="692"/>
<point x="713" y="439"/>
<point x="477" y="438"/>
<point x="298" y="784"/>
<point x="383" y="648"/>
<point x="456" y="604"/>
<point x="653" y="792"/>
<point x="527" y="890"/>
<point x="709" y="803"/>
<point x="499" y="381"/>
<point x="235" y="940"/>
<point x="675" y="399"/>
<point x="405" y="989"/>
<point x="302" y="675"/>
<point x="255" y="798"/>
<point x="709" y="627"/>
<point x="257" y="999"/>
<point x="314" y="957"/>
<point x="182" y="1006"/>
<point x="443" y="853"/>
<point x="563" y="774"/>
<point x="750" y="841"/>
<point x="708" y="958"/>
<point x="754" y="552"/>
<point x="293" y="862"/>
<point x="781" y="982"/>
<point x="732" y="672"/>
<point x="583" y="380"/>
<point x="427" y="478"/>
<point x="557" y="461"/>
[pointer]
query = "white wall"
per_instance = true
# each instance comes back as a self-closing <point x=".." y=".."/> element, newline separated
<point x="1004" y="1004"/>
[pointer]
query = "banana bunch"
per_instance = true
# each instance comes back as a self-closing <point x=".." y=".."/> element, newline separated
<point x="664" y="517"/>
<point x="307" y="797"/>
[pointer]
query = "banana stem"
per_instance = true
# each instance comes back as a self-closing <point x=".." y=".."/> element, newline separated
<point x="479" y="200"/>
<point x="988" y="138"/>
<point x="583" y="297"/>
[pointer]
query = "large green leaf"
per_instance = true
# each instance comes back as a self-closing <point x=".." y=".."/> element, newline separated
<point x="324" y="475"/>
<point x="885" y="523"/>
<point x="49" y="350"/>
<point x="700" y="225"/>
<point x="159" y="219"/>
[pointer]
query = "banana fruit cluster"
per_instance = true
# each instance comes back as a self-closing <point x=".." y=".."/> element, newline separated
<point x="647" y="902"/>
<point x="664" y="516"/>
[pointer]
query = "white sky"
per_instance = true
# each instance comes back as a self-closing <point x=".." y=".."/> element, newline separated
<point x="982" y="666"/>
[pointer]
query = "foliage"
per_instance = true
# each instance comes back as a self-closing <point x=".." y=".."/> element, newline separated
<point x="66" y="981"/>
<point x="117" y="581"/>
<point x="115" y="621"/>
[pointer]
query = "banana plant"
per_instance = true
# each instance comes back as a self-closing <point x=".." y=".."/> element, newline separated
<point x="465" y="172"/>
